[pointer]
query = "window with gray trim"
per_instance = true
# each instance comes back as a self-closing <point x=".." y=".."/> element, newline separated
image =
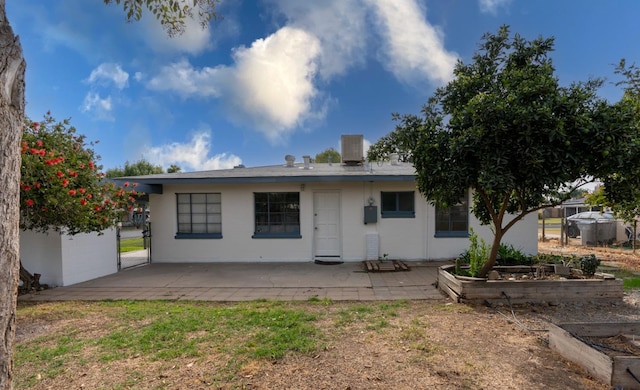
<point x="398" y="204"/>
<point x="277" y="215"/>
<point x="453" y="221"/>
<point x="199" y="215"/>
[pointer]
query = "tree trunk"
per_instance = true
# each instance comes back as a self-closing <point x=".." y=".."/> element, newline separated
<point x="493" y="255"/>
<point x="12" y="68"/>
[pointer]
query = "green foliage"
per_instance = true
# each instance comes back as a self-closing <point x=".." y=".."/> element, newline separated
<point x="475" y="256"/>
<point x="61" y="187"/>
<point x="505" y="128"/>
<point x="589" y="264"/>
<point x="509" y="255"/>
<point x="478" y="253"/>
<point x="328" y="155"/>
<point x="139" y="168"/>
<point x="401" y="142"/>
<point x="174" y="169"/>
<point x="170" y="13"/>
<point x="621" y="175"/>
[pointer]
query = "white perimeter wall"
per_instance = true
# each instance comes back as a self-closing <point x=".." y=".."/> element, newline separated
<point x="400" y="238"/>
<point x="64" y="260"/>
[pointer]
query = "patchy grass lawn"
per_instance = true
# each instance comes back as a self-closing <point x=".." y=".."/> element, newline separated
<point x="279" y="345"/>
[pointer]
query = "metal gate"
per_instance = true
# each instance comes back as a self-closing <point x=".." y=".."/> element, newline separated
<point x="129" y="259"/>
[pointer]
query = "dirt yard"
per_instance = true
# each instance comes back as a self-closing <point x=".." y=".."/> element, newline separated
<point x="417" y="345"/>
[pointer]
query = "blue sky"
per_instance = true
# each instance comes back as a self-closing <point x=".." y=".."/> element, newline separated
<point x="278" y="77"/>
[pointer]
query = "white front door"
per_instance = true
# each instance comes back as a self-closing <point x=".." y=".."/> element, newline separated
<point x="326" y="220"/>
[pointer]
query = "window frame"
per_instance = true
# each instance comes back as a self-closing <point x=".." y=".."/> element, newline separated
<point x="396" y="212"/>
<point x="450" y="212"/>
<point x="207" y="214"/>
<point x="276" y="209"/>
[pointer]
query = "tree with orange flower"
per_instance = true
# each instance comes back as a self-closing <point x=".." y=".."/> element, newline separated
<point x="61" y="186"/>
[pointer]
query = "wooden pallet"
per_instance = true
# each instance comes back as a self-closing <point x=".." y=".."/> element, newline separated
<point x="385" y="266"/>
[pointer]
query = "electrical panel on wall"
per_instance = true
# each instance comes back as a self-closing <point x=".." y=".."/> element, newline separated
<point x="370" y="214"/>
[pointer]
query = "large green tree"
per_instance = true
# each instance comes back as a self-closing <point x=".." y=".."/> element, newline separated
<point x="328" y="155"/>
<point x="171" y="14"/>
<point x="621" y="190"/>
<point x="506" y="129"/>
<point x="138" y="168"/>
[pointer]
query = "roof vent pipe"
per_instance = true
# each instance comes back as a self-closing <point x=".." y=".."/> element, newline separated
<point x="290" y="160"/>
<point x="307" y="161"/>
<point x="394" y="158"/>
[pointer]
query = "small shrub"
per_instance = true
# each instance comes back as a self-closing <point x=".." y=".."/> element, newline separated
<point x="509" y="255"/>
<point x="478" y="253"/>
<point x="589" y="264"/>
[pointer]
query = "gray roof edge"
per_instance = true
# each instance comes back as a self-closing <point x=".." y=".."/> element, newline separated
<point x="270" y="179"/>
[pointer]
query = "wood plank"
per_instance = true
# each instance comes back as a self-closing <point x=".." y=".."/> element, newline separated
<point x="601" y="329"/>
<point x="597" y="364"/>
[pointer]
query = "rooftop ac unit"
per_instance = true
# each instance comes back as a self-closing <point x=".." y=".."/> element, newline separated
<point x="352" y="149"/>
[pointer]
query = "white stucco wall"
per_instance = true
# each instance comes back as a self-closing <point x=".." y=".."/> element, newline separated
<point x="88" y="256"/>
<point x="400" y="238"/>
<point x="64" y="260"/>
<point x="42" y="254"/>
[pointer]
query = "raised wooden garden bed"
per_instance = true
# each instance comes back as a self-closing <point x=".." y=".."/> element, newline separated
<point x="587" y="345"/>
<point x="479" y="290"/>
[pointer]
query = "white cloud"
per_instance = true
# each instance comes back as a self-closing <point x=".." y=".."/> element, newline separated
<point x="339" y="25"/>
<point x="413" y="50"/>
<point x="109" y="72"/>
<point x="139" y="76"/>
<point x="492" y="6"/>
<point x="270" y="86"/>
<point x="187" y="81"/>
<point x="97" y="106"/>
<point x="191" y="156"/>
<point x="273" y="81"/>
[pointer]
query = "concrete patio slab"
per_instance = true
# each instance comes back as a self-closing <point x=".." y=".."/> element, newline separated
<point x="251" y="281"/>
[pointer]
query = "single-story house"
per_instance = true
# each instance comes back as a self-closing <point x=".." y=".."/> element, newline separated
<point x="301" y="212"/>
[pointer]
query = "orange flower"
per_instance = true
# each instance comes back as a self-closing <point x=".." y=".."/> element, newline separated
<point x="65" y="182"/>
